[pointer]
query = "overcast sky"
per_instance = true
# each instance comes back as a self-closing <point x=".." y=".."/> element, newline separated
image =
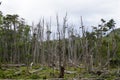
<point x="91" y="10"/>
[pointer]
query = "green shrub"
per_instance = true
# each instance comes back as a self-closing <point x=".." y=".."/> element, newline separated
<point x="2" y="75"/>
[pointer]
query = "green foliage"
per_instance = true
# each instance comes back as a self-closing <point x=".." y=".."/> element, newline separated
<point x="111" y="24"/>
<point x="2" y="75"/>
<point x="15" y="34"/>
<point x="34" y="76"/>
<point x="115" y="62"/>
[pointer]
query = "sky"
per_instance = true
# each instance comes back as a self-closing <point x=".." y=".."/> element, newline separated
<point x="92" y="11"/>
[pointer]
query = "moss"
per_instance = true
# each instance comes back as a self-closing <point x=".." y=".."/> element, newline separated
<point x="34" y="76"/>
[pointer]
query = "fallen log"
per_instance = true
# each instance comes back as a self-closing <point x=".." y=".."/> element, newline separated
<point x="35" y="71"/>
<point x="12" y="65"/>
<point x="70" y="72"/>
<point x="18" y="72"/>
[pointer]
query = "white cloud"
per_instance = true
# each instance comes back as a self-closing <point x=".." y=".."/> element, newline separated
<point x="91" y="10"/>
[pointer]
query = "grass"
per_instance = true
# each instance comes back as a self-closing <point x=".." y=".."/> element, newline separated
<point x="49" y="73"/>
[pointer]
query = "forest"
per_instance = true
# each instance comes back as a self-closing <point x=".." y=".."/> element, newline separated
<point x="35" y="52"/>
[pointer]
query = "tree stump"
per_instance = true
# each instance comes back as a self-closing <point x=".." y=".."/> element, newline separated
<point x="61" y="72"/>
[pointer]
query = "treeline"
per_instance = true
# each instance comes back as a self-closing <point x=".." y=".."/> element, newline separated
<point x="15" y="39"/>
<point x="22" y="43"/>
